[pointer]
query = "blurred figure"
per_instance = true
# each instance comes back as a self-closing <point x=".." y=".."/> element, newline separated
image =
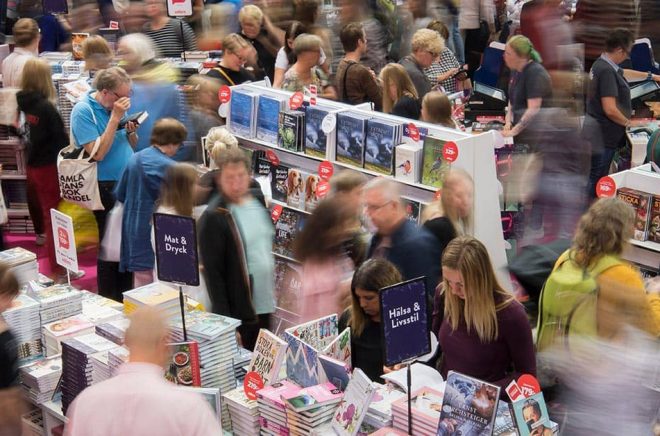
<point x="446" y="71"/>
<point x="203" y="110"/>
<point x="305" y="72"/>
<point x="287" y="57"/>
<point x="103" y="409"/>
<point x="543" y="23"/>
<point x="359" y="12"/>
<point x="138" y="191"/>
<point x="322" y="248"/>
<point x="170" y="36"/>
<point x="46" y="136"/>
<point x="361" y="85"/>
<point x="400" y="97"/>
<point x="427" y="45"/>
<point x="649" y="26"/>
<point x="363" y="315"/>
<point x="96" y="54"/>
<point x="485" y="332"/>
<point x="236" y="240"/>
<point x="436" y="109"/>
<point x="307" y="12"/>
<point x="267" y="39"/>
<point x="416" y="15"/>
<point x="237" y="52"/>
<point x="11" y="397"/>
<point x="476" y="20"/>
<point x="412" y="249"/>
<point x="347" y="186"/>
<point x="26" y="46"/>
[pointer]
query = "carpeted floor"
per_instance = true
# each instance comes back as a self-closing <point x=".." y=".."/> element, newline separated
<point x="86" y="259"/>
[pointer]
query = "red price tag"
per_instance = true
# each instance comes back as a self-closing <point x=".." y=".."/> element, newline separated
<point x="114" y="24"/>
<point x="63" y="238"/>
<point x="529" y="385"/>
<point x="438" y="194"/>
<point x="251" y="384"/>
<point x="606" y="187"/>
<point x="224" y="94"/>
<point x="450" y="152"/>
<point x="413" y="132"/>
<point x="276" y="212"/>
<point x="322" y="189"/>
<point x="296" y="100"/>
<point x="326" y="170"/>
<point x="272" y="157"/>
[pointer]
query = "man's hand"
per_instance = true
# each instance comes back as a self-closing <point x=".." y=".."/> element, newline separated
<point x="120" y="107"/>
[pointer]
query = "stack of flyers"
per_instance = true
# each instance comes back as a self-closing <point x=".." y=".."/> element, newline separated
<point x="22" y="263"/>
<point x="39" y="379"/>
<point x="156" y="295"/>
<point x="56" y="332"/>
<point x="33" y="423"/>
<point x="56" y="302"/>
<point x="23" y="320"/>
<point x="311" y="407"/>
<point x="243" y="411"/>
<point x="114" y="331"/>
<point x="77" y="371"/>
<point x="116" y="358"/>
<point x="380" y="409"/>
<point x="272" y="409"/>
<point x="426" y="404"/>
<point x="353" y="407"/>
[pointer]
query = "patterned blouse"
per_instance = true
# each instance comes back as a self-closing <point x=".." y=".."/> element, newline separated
<point x="447" y="62"/>
<point x="292" y="82"/>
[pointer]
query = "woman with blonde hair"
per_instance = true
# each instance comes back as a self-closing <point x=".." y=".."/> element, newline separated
<point x="399" y="94"/>
<point x="436" y="109"/>
<point x="305" y="71"/>
<point x="266" y="38"/>
<point x="485" y="332"/>
<point x="46" y="136"/>
<point x="97" y="54"/>
<point x="236" y="53"/>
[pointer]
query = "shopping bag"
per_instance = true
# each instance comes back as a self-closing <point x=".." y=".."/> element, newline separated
<point x="111" y="243"/>
<point x="85" y="230"/>
<point x="78" y="177"/>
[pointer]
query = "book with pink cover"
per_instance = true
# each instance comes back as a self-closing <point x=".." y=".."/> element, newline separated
<point x="351" y="411"/>
<point x="426" y="406"/>
<point x="389" y="431"/>
<point x="68" y="326"/>
<point x="273" y="394"/>
<point x="323" y="394"/>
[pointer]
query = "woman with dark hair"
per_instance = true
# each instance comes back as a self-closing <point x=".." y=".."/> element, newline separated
<point x="287" y="57"/>
<point x="363" y="315"/>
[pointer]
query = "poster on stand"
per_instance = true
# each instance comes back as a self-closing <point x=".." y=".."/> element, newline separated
<point x="64" y="240"/>
<point x="176" y="249"/>
<point x="179" y="8"/>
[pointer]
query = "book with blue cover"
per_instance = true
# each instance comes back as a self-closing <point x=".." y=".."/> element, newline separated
<point x="268" y="113"/>
<point x="531" y="416"/>
<point x="381" y="138"/>
<point x="242" y="113"/>
<point x="316" y="140"/>
<point x="351" y="131"/>
<point x="287" y="227"/>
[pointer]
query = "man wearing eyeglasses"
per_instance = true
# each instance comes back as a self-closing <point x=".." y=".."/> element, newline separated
<point x="99" y="116"/>
<point x="426" y="48"/>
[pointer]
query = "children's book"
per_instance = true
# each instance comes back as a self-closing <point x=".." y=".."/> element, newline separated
<point x="354" y="405"/>
<point x="183" y="367"/>
<point x="434" y="165"/>
<point x="531" y="415"/>
<point x="268" y="356"/>
<point x="340" y="347"/>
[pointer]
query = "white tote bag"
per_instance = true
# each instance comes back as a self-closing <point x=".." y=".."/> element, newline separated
<point x="111" y="242"/>
<point x="78" y="177"/>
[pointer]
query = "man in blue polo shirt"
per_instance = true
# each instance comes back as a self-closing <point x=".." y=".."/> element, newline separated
<point x="98" y="116"/>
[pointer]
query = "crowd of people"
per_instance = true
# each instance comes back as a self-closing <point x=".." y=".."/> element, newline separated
<point x="408" y="60"/>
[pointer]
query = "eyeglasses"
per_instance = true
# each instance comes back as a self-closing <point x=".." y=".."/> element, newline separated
<point x="240" y="58"/>
<point x="130" y="94"/>
<point x="373" y="207"/>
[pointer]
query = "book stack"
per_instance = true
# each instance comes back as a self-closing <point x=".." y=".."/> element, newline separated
<point x="56" y="332"/>
<point x="272" y="409"/>
<point x="114" y="330"/>
<point x="116" y="358"/>
<point x="243" y="411"/>
<point x="426" y="404"/>
<point x="379" y="414"/>
<point x="101" y="366"/>
<point x="155" y="294"/>
<point x="56" y="56"/>
<point x="33" y="423"/>
<point x="98" y="300"/>
<point x="99" y="313"/>
<point x="22" y="263"/>
<point x="40" y="378"/>
<point x="77" y="363"/>
<point x="23" y="320"/>
<point x="311" y="408"/>
<point x="56" y="302"/>
<point x="64" y="103"/>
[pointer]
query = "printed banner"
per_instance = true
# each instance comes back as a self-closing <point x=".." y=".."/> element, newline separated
<point x="176" y="249"/>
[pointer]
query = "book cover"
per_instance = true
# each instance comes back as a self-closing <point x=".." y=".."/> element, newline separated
<point x="412" y="208"/>
<point x="425" y="406"/>
<point x="286" y="229"/>
<point x="434" y="165"/>
<point x="340" y="347"/>
<point x="381" y="138"/>
<point x="272" y="394"/>
<point x="316" y="140"/>
<point x="407" y="163"/>
<point x="153" y="294"/>
<point x="77" y="42"/>
<point x="290" y="127"/>
<point x="184" y="367"/>
<point x="241" y="113"/>
<point x="469" y="406"/>
<point x="311" y="192"/>
<point x="319" y="333"/>
<point x="384" y="397"/>
<point x="531" y="416"/>
<point x="269" y="353"/>
<point x="351" y="132"/>
<point x="312" y="397"/>
<point x="288" y="283"/>
<point x="268" y="114"/>
<point x="654" y="219"/>
<point x="302" y="363"/>
<point x="336" y="371"/>
<point x="278" y="187"/>
<point x="504" y="425"/>
<point x="354" y="405"/>
<point x="641" y="202"/>
<point x="295" y="188"/>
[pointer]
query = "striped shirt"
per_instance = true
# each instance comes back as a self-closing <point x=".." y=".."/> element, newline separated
<point x="168" y="40"/>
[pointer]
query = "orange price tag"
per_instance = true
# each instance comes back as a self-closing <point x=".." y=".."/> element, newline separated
<point x="296" y="100"/>
<point x="326" y="170"/>
<point x="251" y="384"/>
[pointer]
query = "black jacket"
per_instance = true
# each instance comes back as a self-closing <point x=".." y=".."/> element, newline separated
<point x="46" y="132"/>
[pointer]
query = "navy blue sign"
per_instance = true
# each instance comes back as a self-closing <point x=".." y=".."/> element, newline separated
<point x="176" y="249"/>
<point x="404" y="321"/>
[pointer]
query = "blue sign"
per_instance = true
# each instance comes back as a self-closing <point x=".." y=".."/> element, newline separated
<point x="404" y="321"/>
<point x="176" y="249"/>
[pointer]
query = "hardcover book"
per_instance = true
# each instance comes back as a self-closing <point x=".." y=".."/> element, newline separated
<point x="311" y="192"/>
<point x="184" y="367"/>
<point x="316" y="140"/>
<point x="407" y="163"/>
<point x="242" y="113"/>
<point x="434" y="165"/>
<point x="268" y="356"/>
<point x="286" y="229"/>
<point x="268" y="114"/>
<point x="504" y="425"/>
<point x="295" y="188"/>
<point x="272" y="395"/>
<point x="340" y="347"/>
<point x="291" y="130"/>
<point x="641" y="202"/>
<point x="312" y="397"/>
<point x="469" y="406"/>
<point x="351" y="133"/>
<point x="531" y="416"/>
<point x="654" y="219"/>
<point x="384" y="397"/>
<point x="278" y="187"/>
<point x="412" y="208"/>
<point x="353" y="407"/>
<point x="336" y="371"/>
<point x="381" y="138"/>
<point x="426" y="404"/>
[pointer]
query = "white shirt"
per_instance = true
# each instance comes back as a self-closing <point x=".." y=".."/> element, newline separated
<point x="282" y="61"/>
<point x="139" y="401"/>
<point x="12" y="67"/>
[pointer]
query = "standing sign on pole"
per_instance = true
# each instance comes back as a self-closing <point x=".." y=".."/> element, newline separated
<point x="64" y="240"/>
<point x="179" y="8"/>
<point x="176" y="249"/>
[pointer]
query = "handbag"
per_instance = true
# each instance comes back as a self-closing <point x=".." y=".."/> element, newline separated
<point x="78" y="177"/>
<point x="110" y="250"/>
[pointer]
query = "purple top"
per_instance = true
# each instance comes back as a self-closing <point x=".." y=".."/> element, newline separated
<point x="492" y="362"/>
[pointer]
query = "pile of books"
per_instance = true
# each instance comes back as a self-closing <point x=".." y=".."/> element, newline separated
<point x="23" y="320"/>
<point x="155" y="294"/>
<point x="22" y="263"/>
<point x="114" y="330"/>
<point x="57" y="302"/>
<point x="56" y="332"/>
<point x="272" y="409"/>
<point x="117" y="357"/>
<point x="426" y="404"/>
<point x="243" y="411"/>
<point x="98" y="300"/>
<point x="98" y="314"/>
<point x="33" y="423"/>
<point x="39" y="379"/>
<point x="77" y="363"/>
<point x="311" y="408"/>
<point x="379" y="414"/>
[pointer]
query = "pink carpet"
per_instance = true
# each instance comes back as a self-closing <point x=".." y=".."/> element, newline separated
<point x="86" y="259"/>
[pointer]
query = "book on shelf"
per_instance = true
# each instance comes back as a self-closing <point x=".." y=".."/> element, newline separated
<point x="408" y="163"/>
<point x="353" y="407"/>
<point x="295" y="188"/>
<point x="654" y="220"/>
<point x="278" y="183"/>
<point x="287" y="228"/>
<point x="351" y="135"/>
<point x="434" y="165"/>
<point x="268" y="356"/>
<point x="641" y="203"/>
<point x="469" y="406"/>
<point x="183" y="367"/>
<point x="318" y="142"/>
<point x="312" y="197"/>
<point x="381" y="138"/>
<point x="268" y="113"/>
<point x="242" y="113"/>
<point x="412" y="209"/>
<point x="291" y="130"/>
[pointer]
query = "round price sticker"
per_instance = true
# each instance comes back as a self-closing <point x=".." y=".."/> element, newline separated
<point x="328" y="124"/>
<point x="251" y="384"/>
<point x="529" y="385"/>
<point x="437" y="194"/>
<point x="276" y="212"/>
<point x="223" y="110"/>
<point x="450" y="152"/>
<point x="224" y="94"/>
<point x="413" y="132"/>
<point x="606" y="187"/>
<point x="272" y="157"/>
<point x="296" y="100"/>
<point x="322" y="189"/>
<point x="326" y="170"/>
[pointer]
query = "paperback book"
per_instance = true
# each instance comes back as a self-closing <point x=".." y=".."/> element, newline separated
<point x="408" y="163"/>
<point x="531" y="415"/>
<point x="351" y="133"/>
<point x="314" y="397"/>
<point x="295" y="188"/>
<point x="291" y="130"/>
<point x="353" y="407"/>
<point x="381" y="138"/>
<point x="242" y="113"/>
<point x="641" y="203"/>
<point x="268" y="113"/>
<point x="434" y="165"/>
<point x="425" y="407"/>
<point x="412" y="208"/>
<point x="269" y="354"/>
<point x="278" y="187"/>
<point x="316" y="140"/>
<point x="312" y="197"/>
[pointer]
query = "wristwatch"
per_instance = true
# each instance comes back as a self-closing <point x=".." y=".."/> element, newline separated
<point x="650" y="76"/>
